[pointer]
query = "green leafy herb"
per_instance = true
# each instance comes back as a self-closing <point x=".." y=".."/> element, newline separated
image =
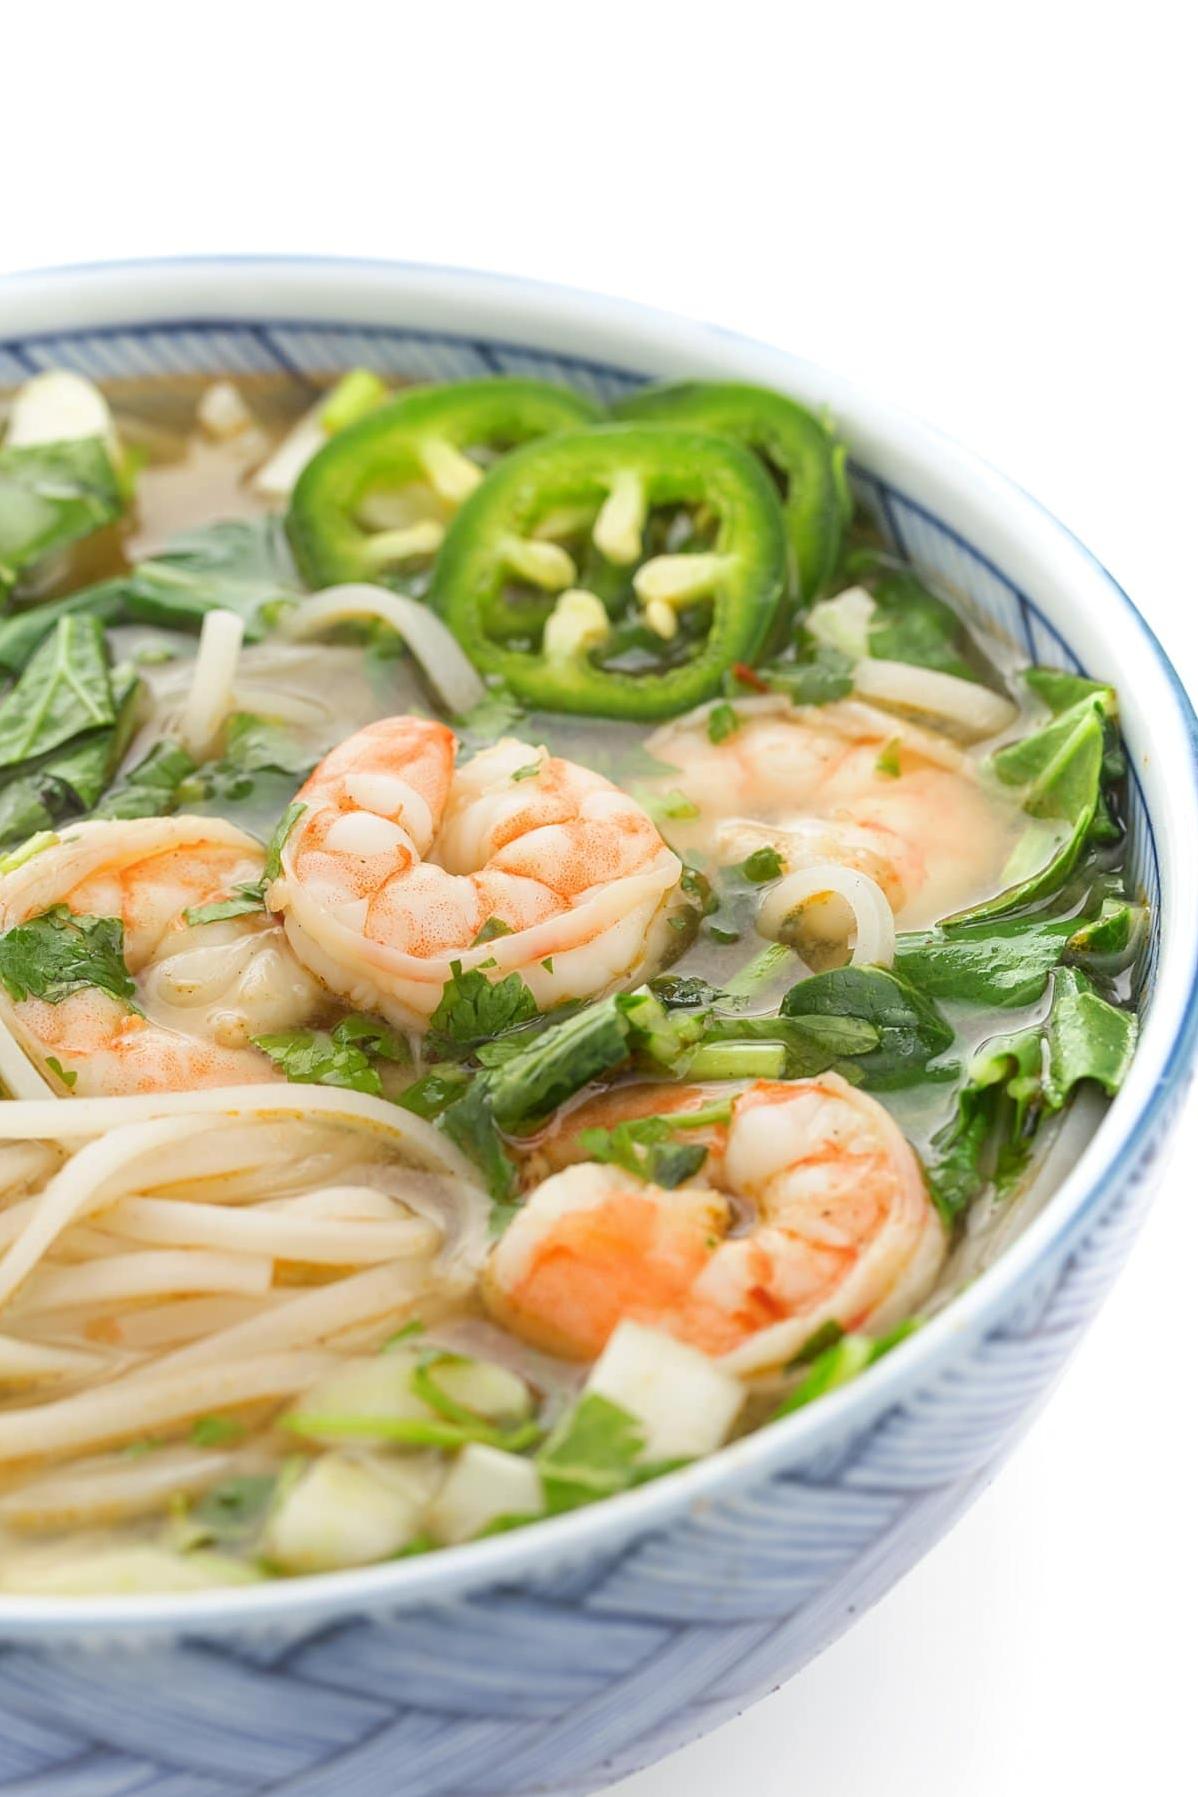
<point x="237" y="564"/>
<point x="722" y="722"/>
<point x="430" y="1095"/>
<point x="497" y="714"/>
<point x="1007" y="961"/>
<point x="528" y="772"/>
<point x="889" y="762"/>
<point x="150" y="788"/>
<point x="64" y="690"/>
<point x="67" y="1075"/>
<point x="216" y="1431"/>
<point x="51" y="495"/>
<point x="559" y="1062"/>
<point x="911" y="1032"/>
<point x="840" y="1361"/>
<point x="247" y="899"/>
<point x="1060" y="768"/>
<point x="232" y="1513"/>
<point x="343" y="1057"/>
<point x="592" y="1453"/>
<point x="819" y="679"/>
<point x="647" y="1147"/>
<point x="58" y="953"/>
<point x="1061" y="692"/>
<point x="1015" y="1080"/>
<point x="762" y="865"/>
<point x="473" y="1008"/>
<point x="493" y="927"/>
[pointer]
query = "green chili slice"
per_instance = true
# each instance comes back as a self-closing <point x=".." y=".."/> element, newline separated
<point x="800" y="451"/>
<point x="413" y="457"/>
<point x="663" y="639"/>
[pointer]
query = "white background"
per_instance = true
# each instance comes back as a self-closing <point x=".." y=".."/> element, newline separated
<point x="983" y="211"/>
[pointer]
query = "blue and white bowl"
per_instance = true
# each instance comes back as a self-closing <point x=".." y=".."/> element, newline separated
<point x="560" y="1658"/>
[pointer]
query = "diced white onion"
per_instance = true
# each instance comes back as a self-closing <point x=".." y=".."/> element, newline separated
<point x="222" y="412"/>
<point x="874" y="920"/>
<point x="445" y="664"/>
<point x="210" y="696"/>
<point x="685" y="1403"/>
<point x="973" y="710"/>
<point x="843" y="622"/>
<point x="58" y="407"/>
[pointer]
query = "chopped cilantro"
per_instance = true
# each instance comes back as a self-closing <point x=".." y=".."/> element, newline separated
<point x="67" y="1075"/>
<point x="888" y="762"/>
<point x="474" y="1009"/>
<point x="762" y="865"/>
<point x="493" y="927"/>
<point x="216" y="1431"/>
<point x="58" y="953"/>
<point x="528" y="772"/>
<point x="341" y="1057"/>
<point x="722" y="722"/>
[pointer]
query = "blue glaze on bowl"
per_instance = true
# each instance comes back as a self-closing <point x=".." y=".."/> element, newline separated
<point x="565" y="1657"/>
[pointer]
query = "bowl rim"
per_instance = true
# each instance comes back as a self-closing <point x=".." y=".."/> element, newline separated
<point x="133" y="293"/>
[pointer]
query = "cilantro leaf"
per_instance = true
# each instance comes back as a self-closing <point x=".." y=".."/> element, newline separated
<point x="592" y="1453"/>
<point x="474" y="1009"/>
<point x="341" y="1057"/>
<point x="247" y="899"/>
<point x="149" y="789"/>
<point x="58" y="953"/>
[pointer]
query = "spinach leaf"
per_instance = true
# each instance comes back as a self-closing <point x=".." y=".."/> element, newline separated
<point x="51" y="495"/>
<point x="64" y="691"/>
<point x="149" y="789"/>
<point x="910" y="1031"/>
<point x="911" y="624"/>
<point x="70" y="779"/>
<point x="1007" y="961"/>
<point x="1015" y="1080"/>
<point x="255" y="745"/>
<point x="58" y="953"/>
<point x="23" y="632"/>
<point x="1061" y="769"/>
<point x="236" y="564"/>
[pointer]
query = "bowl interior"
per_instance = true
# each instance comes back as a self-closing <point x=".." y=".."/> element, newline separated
<point x="966" y="528"/>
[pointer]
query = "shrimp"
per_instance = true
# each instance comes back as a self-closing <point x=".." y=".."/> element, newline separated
<point x="842" y="1230"/>
<point x="403" y="867"/>
<point x="203" y="990"/>
<point x="846" y="783"/>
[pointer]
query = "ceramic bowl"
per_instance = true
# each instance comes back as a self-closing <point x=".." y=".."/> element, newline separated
<point x="559" y="1658"/>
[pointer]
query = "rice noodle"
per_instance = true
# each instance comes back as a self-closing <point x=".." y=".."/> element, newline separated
<point x="210" y="696"/>
<point x="183" y="1320"/>
<point x="148" y="1275"/>
<point x="279" y="1234"/>
<point x="81" y="1183"/>
<point x="132" y="1407"/>
<point x="37" y="1363"/>
<point x="445" y="664"/>
<point x="107" y="1488"/>
<point x="973" y="710"/>
<point x="872" y="916"/>
<point x="315" y="1316"/>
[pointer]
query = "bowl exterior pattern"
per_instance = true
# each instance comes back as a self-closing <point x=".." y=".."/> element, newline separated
<point x="590" y="1670"/>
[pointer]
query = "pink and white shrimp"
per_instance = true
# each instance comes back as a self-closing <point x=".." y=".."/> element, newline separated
<point x="402" y="865"/>
<point x="842" y="1230"/>
<point x="846" y="783"/>
<point x="202" y="990"/>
